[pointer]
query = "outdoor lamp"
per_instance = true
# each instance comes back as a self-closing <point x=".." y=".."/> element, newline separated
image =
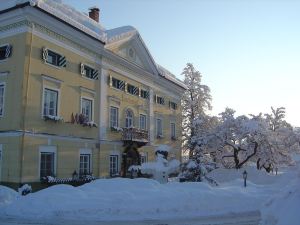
<point x="245" y="178"/>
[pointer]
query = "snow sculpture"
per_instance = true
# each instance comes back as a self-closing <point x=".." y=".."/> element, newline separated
<point x="161" y="168"/>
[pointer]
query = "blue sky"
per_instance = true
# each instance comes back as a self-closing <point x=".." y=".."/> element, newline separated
<point x="247" y="51"/>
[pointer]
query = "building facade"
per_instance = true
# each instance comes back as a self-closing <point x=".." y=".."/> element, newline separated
<point x="78" y="99"/>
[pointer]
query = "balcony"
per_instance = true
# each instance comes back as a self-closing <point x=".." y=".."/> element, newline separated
<point x="135" y="135"/>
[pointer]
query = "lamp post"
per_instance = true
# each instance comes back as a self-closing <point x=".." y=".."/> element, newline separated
<point x="245" y="178"/>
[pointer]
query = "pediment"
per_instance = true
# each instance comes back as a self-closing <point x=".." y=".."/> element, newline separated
<point x="134" y="50"/>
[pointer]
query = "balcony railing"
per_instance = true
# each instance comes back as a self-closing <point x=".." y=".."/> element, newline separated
<point x="135" y="134"/>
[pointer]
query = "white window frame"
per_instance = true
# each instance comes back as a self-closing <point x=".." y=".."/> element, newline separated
<point x="171" y="130"/>
<point x="92" y="110"/>
<point x="43" y="99"/>
<point x="156" y="123"/>
<point x="56" y="52"/>
<point x="83" y="73"/>
<point x="47" y="149"/>
<point x="129" y="118"/>
<point x="3" y="106"/>
<point x="86" y="151"/>
<point x="110" y="116"/>
<point x="145" y="156"/>
<point x="145" y="116"/>
<point x="116" y="164"/>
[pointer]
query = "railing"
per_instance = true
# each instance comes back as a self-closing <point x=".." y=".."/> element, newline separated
<point x="135" y="134"/>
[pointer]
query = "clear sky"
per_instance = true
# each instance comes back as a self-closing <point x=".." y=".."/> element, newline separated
<point x="247" y="51"/>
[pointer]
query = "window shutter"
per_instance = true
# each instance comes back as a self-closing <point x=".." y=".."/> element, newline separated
<point x="82" y="69"/>
<point x="139" y="89"/>
<point x="122" y="85"/>
<point x="135" y="91"/>
<point x="95" y="74"/>
<point x="8" y="51"/>
<point x="147" y="94"/>
<point x="45" y="54"/>
<point x="62" y="62"/>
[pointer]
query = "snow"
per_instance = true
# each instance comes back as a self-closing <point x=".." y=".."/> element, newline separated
<point x="66" y="13"/>
<point x="277" y="197"/>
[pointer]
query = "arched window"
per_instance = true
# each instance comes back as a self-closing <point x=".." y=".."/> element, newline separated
<point x="129" y="118"/>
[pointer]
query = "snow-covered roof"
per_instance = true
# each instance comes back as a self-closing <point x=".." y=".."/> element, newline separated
<point x="66" y="13"/>
<point x="120" y="33"/>
<point x="168" y="75"/>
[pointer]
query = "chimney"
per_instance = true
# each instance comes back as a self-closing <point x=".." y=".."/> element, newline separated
<point x="94" y="13"/>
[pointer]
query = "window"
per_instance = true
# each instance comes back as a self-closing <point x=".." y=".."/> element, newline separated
<point x="54" y="58"/>
<point x="172" y="105"/>
<point x="50" y="102"/>
<point x="143" y="122"/>
<point x="47" y="164"/>
<point x="144" y="158"/>
<point x="88" y="72"/>
<point x="119" y="84"/>
<point x="129" y="118"/>
<point x="173" y="131"/>
<point x="144" y="94"/>
<point x="85" y="164"/>
<point x="160" y="100"/>
<point x="2" y="89"/>
<point x="5" y="51"/>
<point x="114" y="117"/>
<point x="158" y="128"/>
<point x="113" y="165"/>
<point x="87" y="109"/>
<point x="132" y="89"/>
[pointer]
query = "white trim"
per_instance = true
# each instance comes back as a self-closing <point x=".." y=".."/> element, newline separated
<point x="3" y="112"/>
<point x="83" y="89"/>
<point x="86" y="151"/>
<point x="1" y="160"/>
<point x="162" y="127"/>
<point x="93" y="106"/>
<point x="52" y="79"/>
<point x="118" y="115"/>
<point x="43" y="100"/>
<point x="146" y="127"/>
<point x="48" y="149"/>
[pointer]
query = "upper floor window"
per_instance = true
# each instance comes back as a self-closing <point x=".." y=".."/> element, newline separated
<point x="119" y="84"/>
<point x="54" y="58"/>
<point x="159" y="100"/>
<point x="173" y="131"/>
<point x="88" y="72"/>
<point x="50" y="102"/>
<point x="159" y="128"/>
<point x="132" y="89"/>
<point x="87" y="109"/>
<point x="143" y="122"/>
<point x="144" y="94"/>
<point x="5" y="51"/>
<point x="172" y="105"/>
<point x="129" y="118"/>
<point x="2" y="89"/>
<point x="114" y="115"/>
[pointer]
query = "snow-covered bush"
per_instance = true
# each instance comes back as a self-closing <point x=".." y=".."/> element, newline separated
<point x="25" y="189"/>
<point x="116" y="129"/>
<point x="90" y="124"/>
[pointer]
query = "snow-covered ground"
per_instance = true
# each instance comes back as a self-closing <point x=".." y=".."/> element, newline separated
<point x="276" y="197"/>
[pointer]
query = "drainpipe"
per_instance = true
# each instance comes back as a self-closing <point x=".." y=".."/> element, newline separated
<point x="25" y="105"/>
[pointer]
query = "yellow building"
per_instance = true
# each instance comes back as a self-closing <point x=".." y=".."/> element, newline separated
<point x="76" y="99"/>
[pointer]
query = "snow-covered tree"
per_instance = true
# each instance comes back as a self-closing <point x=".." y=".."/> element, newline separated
<point x="195" y="102"/>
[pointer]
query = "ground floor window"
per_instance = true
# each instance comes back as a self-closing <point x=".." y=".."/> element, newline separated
<point x="85" y="164"/>
<point x="144" y="158"/>
<point x="114" y="164"/>
<point x="47" y="164"/>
